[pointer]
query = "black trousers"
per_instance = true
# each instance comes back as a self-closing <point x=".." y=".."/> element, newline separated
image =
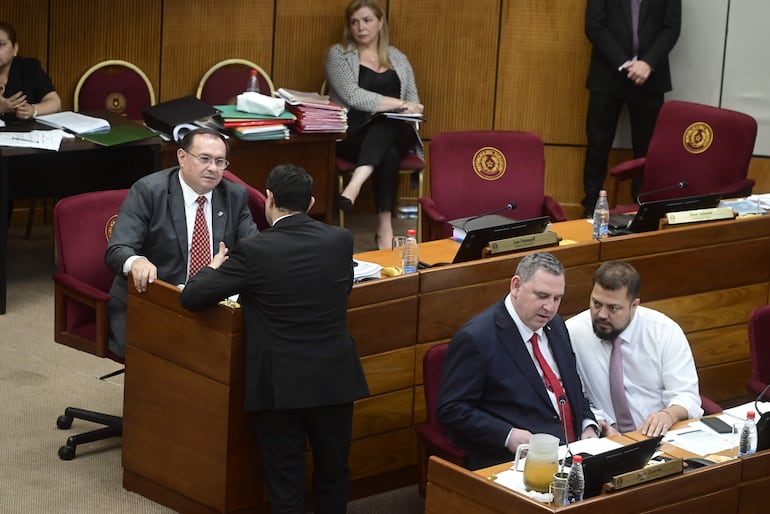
<point x="380" y="143"/>
<point x="283" y="437"/>
<point x="601" y="123"/>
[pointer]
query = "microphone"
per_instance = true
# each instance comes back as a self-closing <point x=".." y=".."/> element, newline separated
<point x="562" y="403"/>
<point x="507" y="207"/>
<point x="679" y="185"/>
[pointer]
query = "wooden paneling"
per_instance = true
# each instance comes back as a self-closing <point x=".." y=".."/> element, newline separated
<point x="564" y="177"/>
<point x="198" y="34"/>
<point x="85" y="33"/>
<point x="383" y="413"/>
<point x="367" y="457"/>
<point x="390" y="371"/>
<point x="452" y="49"/>
<point x="304" y="31"/>
<point x="759" y="170"/>
<point x="543" y="62"/>
<point x="30" y="19"/>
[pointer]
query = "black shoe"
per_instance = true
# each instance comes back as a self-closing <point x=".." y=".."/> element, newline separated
<point x="345" y="204"/>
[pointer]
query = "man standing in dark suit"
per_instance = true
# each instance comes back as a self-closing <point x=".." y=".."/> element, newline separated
<point x="154" y="230"/>
<point x="510" y="371"/>
<point x="302" y="370"/>
<point x="629" y="64"/>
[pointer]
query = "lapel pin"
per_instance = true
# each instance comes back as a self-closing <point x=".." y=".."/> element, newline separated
<point x="220" y="213"/>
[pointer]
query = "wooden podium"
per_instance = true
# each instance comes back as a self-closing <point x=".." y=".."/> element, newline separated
<point x="187" y="442"/>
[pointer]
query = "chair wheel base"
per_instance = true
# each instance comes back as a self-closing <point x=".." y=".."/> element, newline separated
<point x="66" y="452"/>
<point x="64" y="422"/>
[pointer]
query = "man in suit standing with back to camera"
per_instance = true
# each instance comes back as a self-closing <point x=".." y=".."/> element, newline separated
<point x="510" y="371"/>
<point x="303" y="371"/>
<point x="629" y="65"/>
<point x="155" y="228"/>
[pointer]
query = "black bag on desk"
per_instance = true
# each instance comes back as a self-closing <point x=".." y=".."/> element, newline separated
<point x="167" y="116"/>
<point x="763" y="425"/>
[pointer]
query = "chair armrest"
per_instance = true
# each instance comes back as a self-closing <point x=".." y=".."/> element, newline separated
<point x="553" y="210"/>
<point x="430" y="209"/>
<point x="756" y="386"/>
<point x="621" y="173"/>
<point x="709" y="405"/>
<point x="738" y="188"/>
<point x="80" y="288"/>
<point x="437" y="443"/>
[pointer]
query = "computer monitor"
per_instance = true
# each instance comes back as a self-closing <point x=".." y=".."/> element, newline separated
<point x="600" y="468"/>
<point x="647" y="218"/>
<point x="476" y="240"/>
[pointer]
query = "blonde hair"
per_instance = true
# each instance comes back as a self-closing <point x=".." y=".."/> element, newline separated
<point x="383" y="40"/>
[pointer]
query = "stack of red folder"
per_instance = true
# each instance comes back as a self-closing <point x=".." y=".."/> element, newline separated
<point x="255" y="127"/>
<point x="314" y="112"/>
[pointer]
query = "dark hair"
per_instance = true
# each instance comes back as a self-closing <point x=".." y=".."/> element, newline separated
<point x="615" y="275"/>
<point x="187" y="140"/>
<point x="8" y="29"/>
<point x="292" y="187"/>
<point x="538" y="260"/>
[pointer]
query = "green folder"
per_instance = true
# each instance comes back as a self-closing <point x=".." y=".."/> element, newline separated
<point x="231" y="112"/>
<point x="119" y="134"/>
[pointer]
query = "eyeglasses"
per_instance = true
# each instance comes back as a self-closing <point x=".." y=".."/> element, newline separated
<point x="220" y="163"/>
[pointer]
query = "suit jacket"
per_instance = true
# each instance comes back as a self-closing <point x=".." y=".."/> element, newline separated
<point x="489" y="384"/>
<point x="151" y="222"/>
<point x="608" y="27"/>
<point x="294" y="280"/>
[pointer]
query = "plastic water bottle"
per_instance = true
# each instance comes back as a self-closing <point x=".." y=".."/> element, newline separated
<point x="576" y="480"/>
<point x="411" y="258"/>
<point x="748" y="441"/>
<point x="601" y="216"/>
<point x="253" y="85"/>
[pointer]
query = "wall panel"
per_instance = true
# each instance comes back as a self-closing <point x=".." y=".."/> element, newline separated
<point x="543" y="62"/>
<point x="85" y="33"/>
<point x="197" y="34"/>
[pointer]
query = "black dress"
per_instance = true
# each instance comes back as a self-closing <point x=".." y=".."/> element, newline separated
<point x="378" y="141"/>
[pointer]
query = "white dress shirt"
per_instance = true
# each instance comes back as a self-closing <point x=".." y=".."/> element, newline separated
<point x="658" y="368"/>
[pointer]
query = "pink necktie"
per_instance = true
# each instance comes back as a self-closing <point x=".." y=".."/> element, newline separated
<point x="200" y="249"/>
<point x="553" y="385"/>
<point x="635" y="24"/>
<point x="618" y="391"/>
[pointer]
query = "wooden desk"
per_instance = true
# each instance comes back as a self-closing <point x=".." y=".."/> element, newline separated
<point x="78" y="167"/>
<point x="253" y="160"/>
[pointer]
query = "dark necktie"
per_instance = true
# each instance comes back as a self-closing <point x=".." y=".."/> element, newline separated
<point x="618" y="391"/>
<point x="635" y="24"/>
<point x="200" y="249"/>
<point x="553" y="385"/>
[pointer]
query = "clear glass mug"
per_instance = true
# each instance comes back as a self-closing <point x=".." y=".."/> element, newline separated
<point x="542" y="461"/>
<point x="559" y="489"/>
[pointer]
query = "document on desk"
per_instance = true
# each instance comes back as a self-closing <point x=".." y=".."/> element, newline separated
<point x="75" y="122"/>
<point x="700" y="441"/>
<point x="42" y="139"/>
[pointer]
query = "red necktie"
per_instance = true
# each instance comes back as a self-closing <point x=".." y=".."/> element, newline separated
<point x="553" y="385"/>
<point x="200" y="249"/>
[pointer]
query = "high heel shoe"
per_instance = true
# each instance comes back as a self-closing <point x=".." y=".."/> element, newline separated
<point x="345" y="204"/>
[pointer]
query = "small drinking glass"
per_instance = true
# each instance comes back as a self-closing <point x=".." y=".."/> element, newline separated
<point x="397" y="246"/>
<point x="559" y="489"/>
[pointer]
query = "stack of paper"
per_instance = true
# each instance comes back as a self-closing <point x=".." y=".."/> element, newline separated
<point x="255" y="127"/>
<point x="314" y="112"/>
<point x="74" y="122"/>
<point x="365" y="270"/>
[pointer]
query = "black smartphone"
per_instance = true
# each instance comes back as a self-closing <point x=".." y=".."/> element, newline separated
<point x="717" y="425"/>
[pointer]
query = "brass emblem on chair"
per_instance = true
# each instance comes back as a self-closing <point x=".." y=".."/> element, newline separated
<point x="698" y="137"/>
<point x="489" y="163"/>
<point x="109" y="226"/>
<point x="115" y="102"/>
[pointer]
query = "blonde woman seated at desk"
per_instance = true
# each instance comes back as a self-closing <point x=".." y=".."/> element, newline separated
<point x="367" y="76"/>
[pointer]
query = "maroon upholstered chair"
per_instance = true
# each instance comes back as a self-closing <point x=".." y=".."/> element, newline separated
<point x="256" y="200"/>
<point x="759" y="346"/>
<point x="707" y="147"/>
<point x="82" y="226"/>
<point x="474" y="172"/>
<point x="431" y="436"/>
<point x="224" y="81"/>
<point x="116" y="86"/>
<point x="709" y="406"/>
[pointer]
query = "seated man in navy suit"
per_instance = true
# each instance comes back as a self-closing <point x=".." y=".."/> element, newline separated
<point x="510" y="371"/>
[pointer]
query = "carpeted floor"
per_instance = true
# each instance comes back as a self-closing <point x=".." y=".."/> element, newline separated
<point x="39" y="378"/>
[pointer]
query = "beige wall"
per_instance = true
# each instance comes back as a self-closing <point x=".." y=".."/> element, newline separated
<point x="480" y="64"/>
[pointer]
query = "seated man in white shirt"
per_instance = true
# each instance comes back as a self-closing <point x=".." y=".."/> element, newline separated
<point x="655" y="384"/>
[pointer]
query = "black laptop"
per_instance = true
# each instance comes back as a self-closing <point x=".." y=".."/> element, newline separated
<point x="647" y="218"/>
<point x="476" y="240"/>
<point x="600" y="468"/>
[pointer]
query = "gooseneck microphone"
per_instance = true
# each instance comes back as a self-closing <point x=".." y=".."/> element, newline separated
<point x="507" y="207"/>
<point x="679" y="185"/>
<point x="562" y="403"/>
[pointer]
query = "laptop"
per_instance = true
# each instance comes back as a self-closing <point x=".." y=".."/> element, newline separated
<point x="476" y="240"/>
<point x="600" y="468"/>
<point x="647" y="218"/>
